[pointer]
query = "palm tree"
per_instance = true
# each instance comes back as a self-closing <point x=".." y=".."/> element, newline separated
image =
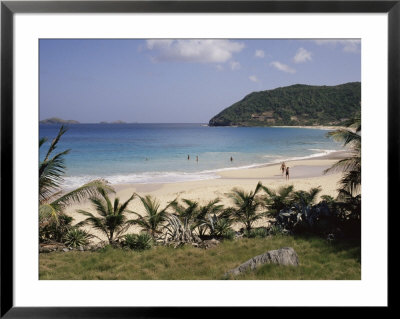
<point x="112" y="220"/>
<point x="51" y="170"/>
<point x="218" y="225"/>
<point x="351" y="138"/>
<point x="154" y="217"/>
<point x="304" y="198"/>
<point x="278" y="200"/>
<point x="206" y="214"/>
<point x="186" y="214"/>
<point x="246" y="206"/>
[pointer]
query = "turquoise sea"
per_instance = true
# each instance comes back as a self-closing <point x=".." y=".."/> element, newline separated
<point x="158" y="153"/>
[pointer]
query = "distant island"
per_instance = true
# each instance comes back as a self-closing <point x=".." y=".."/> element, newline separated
<point x="56" y="120"/>
<point x="295" y="105"/>
<point x="115" y="122"/>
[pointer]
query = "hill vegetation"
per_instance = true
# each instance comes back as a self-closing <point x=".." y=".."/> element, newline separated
<point x="294" y="105"/>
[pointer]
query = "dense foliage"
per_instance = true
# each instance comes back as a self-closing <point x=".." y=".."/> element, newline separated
<point x="294" y="105"/>
<point x="138" y="242"/>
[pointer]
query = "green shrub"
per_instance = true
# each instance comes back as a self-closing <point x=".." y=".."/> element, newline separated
<point x="142" y="241"/>
<point x="256" y="233"/>
<point x="229" y="234"/>
<point x="76" y="237"/>
<point x="51" y="230"/>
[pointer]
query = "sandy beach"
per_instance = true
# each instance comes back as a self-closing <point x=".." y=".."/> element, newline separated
<point x="316" y="127"/>
<point x="304" y="174"/>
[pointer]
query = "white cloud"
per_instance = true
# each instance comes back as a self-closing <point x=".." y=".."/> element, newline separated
<point x="253" y="78"/>
<point x="302" y="55"/>
<point x="259" y="54"/>
<point x="282" y="67"/>
<point x="201" y="51"/>
<point x="352" y="46"/>
<point x="235" y="65"/>
<point x="219" y="67"/>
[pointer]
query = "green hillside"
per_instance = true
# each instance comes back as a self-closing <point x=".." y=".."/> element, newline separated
<point x="294" y="105"/>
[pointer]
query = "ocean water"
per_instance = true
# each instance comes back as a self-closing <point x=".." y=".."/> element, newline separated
<point x="157" y="153"/>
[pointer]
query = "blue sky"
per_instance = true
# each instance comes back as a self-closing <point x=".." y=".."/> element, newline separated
<point x="180" y="81"/>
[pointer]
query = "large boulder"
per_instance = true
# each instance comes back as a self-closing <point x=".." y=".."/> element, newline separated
<point x="284" y="256"/>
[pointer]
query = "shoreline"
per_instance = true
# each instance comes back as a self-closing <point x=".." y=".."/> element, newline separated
<point x="316" y="127"/>
<point x="209" y="174"/>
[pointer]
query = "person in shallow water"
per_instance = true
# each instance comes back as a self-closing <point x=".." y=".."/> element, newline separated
<point x="188" y="157"/>
<point x="197" y="158"/>
<point x="231" y="159"/>
<point x="287" y="173"/>
<point x="283" y="167"/>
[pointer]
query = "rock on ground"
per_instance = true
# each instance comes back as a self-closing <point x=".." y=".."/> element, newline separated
<point x="284" y="256"/>
<point x="206" y="244"/>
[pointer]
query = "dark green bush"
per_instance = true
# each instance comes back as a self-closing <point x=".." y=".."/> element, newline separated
<point x="53" y="231"/>
<point x="142" y="241"/>
<point x="229" y="234"/>
<point x="256" y="233"/>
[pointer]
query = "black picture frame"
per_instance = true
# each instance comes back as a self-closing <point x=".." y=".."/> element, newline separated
<point x="9" y="8"/>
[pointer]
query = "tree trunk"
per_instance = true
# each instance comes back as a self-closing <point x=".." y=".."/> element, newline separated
<point x="110" y="239"/>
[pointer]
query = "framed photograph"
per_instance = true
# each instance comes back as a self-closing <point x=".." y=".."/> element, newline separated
<point x="196" y="154"/>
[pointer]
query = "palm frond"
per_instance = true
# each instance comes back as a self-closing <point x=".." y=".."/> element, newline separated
<point x="48" y="211"/>
<point x="154" y="216"/>
<point x="257" y="189"/>
<point x="50" y="176"/>
<point x="354" y="122"/>
<point x="123" y="207"/>
<point x="285" y="191"/>
<point x="150" y="205"/>
<point x="351" y="166"/>
<point x="345" y="164"/>
<point x="345" y="136"/>
<point x="116" y="204"/>
<point x="42" y="141"/>
<point x="53" y="144"/>
<point x="88" y="190"/>
<point x="100" y="205"/>
<point x="351" y="182"/>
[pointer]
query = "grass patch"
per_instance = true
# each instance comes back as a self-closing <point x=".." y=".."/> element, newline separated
<point x="319" y="260"/>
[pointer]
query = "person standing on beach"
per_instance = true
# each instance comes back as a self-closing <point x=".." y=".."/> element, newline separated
<point x="287" y="173"/>
<point x="197" y="158"/>
<point x="188" y="157"/>
<point x="283" y="167"/>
